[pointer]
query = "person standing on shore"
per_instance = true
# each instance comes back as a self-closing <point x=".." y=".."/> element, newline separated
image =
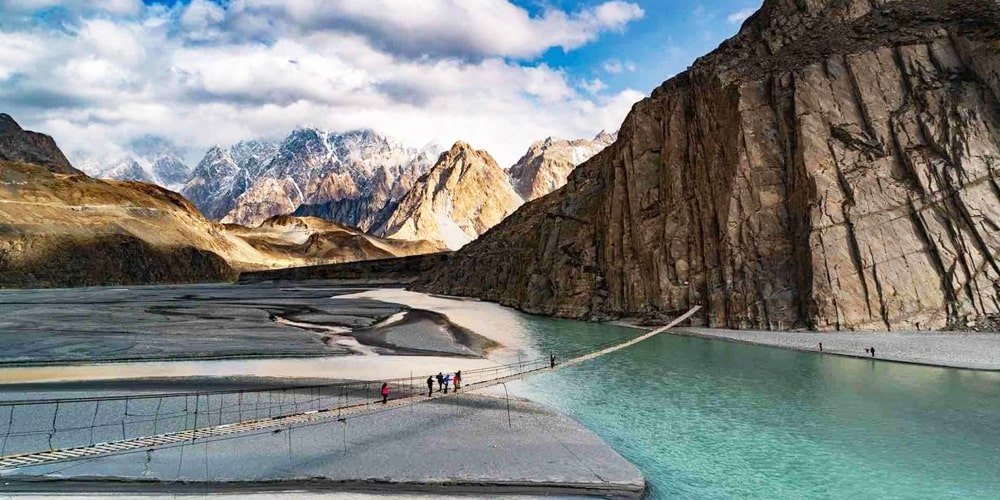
<point x="458" y="380"/>
<point x="820" y="347"/>
<point x="873" y="351"/>
<point x="440" y="378"/>
<point x="385" y="392"/>
<point x="430" y="386"/>
<point x="447" y="381"/>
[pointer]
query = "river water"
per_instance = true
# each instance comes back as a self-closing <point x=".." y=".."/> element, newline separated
<point x="711" y="419"/>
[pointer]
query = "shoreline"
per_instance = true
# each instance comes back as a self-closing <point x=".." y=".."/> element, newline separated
<point x="112" y="487"/>
<point x="895" y="347"/>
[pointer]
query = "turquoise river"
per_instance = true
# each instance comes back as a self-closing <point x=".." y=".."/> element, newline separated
<point x="712" y="419"/>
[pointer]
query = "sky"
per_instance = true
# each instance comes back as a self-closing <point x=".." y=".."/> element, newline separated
<point x="499" y="74"/>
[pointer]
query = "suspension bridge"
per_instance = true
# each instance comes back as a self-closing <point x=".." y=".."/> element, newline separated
<point x="47" y="431"/>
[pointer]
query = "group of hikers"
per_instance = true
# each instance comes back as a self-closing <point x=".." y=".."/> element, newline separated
<point x="445" y="381"/>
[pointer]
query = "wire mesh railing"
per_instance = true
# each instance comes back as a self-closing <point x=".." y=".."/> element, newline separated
<point x="35" y="425"/>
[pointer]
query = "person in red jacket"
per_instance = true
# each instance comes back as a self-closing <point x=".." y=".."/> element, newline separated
<point x="458" y="380"/>
<point x="385" y="392"/>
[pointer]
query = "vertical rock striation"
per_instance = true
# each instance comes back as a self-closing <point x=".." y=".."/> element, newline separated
<point x="833" y="166"/>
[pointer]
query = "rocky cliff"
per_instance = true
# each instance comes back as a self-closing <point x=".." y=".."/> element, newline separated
<point x="463" y="195"/>
<point x="833" y="166"/>
<point x="547" y="164"/>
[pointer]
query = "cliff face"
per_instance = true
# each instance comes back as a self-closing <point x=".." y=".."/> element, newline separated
<point x="547" y="164"/>
<point x="464" y="194"/>
<point x="833" y="166"/>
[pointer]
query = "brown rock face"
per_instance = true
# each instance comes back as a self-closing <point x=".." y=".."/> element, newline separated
<point x="17" y="144"/>
<point x="833" y="166"/>
<point x="464" y="194"/>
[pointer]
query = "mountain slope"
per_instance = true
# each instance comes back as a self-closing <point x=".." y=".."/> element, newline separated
<point x="19" y="145"/>
<point x="58" y="230"/>
<point x="547" y="164"/>
<point x="309" y="241"/>
<point x="464" y="194"/>
<point x="833" y="166"/>
<point x="67" y="229"/>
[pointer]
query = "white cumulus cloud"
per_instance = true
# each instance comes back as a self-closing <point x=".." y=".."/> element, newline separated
<point x="202" y="73"/>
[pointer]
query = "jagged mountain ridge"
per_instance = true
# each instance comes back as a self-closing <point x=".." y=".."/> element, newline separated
<point x="547" y="164"/>
<point x="463" y="195"/>
<point x="833" y="166"/>
<point x="149" y="159"/>
<point x="355" y="178"/>
<point x="224" y="174"/>
<point x="346" y="177"/>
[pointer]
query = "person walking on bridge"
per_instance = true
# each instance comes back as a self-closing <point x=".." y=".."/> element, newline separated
<point x="430" y="386"/>
<point x="385" y="392"/>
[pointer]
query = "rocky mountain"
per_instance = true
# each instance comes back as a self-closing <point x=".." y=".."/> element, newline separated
<point x="832" y="166"/>
<point x="59" y="227"/>
<point x="463" y="195"/>
<point x="345" y="177"/>
<point x="19" y="145"/>
<point x="547" y="164"/>
<point x="224" y="174"/>
<point x="370" y="208"/>
<point x="149" y="159"/>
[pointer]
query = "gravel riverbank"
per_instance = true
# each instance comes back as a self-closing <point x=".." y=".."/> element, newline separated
<point x="969" y="350"/>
